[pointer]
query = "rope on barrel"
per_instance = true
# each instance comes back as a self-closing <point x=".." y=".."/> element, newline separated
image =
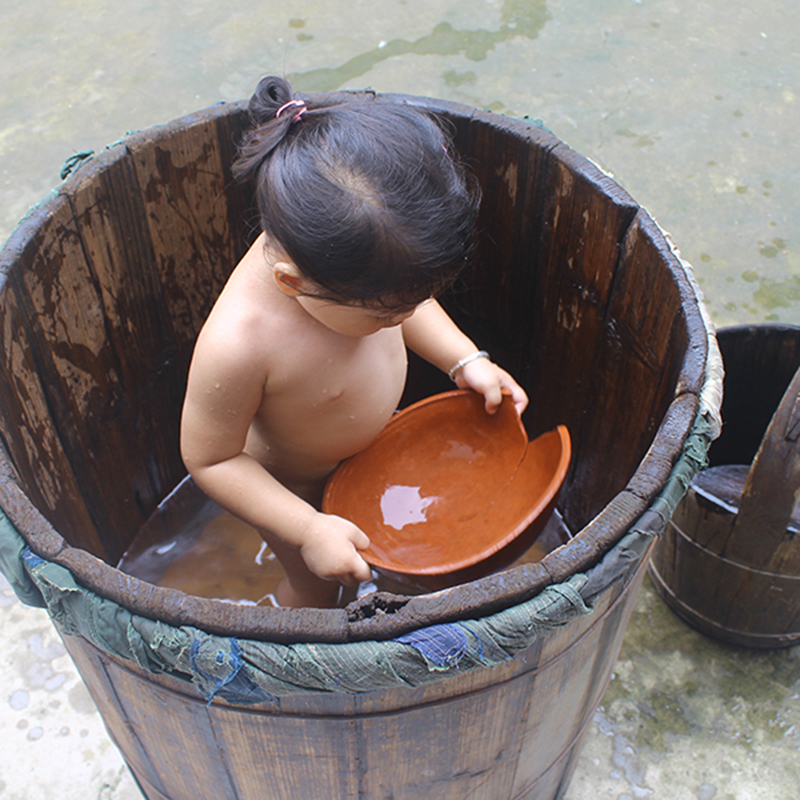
<point x="74" y="162"/>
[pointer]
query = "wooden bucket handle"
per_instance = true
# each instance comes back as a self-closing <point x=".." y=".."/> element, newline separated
<point x="772" y="486"/>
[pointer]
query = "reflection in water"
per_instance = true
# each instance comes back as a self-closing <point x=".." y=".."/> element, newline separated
<point x="191" y="544"/>
<point x="460" y="450"/>
<point x="403" y="505"/>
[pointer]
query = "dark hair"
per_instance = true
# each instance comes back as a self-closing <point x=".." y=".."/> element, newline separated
<point x="360" y="192"/>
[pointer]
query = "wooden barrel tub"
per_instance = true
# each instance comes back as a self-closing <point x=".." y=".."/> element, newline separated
<point x="729" y="561"/>
<point x="483" y="690"/>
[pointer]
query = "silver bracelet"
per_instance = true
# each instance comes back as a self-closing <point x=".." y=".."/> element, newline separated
<point x="464" y="361"/>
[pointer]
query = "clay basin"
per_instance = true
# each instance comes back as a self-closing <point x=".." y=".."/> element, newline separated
<point x="447" y="492"/>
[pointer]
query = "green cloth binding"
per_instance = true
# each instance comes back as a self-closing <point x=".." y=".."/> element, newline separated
<point x="248" y="671"/>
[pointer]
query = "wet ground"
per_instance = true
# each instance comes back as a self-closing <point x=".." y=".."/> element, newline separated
<point x="684" y="718"/>
<point x="693" y="106"/>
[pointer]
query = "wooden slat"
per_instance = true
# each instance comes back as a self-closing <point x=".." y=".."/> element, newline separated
<point x="132" y="433"/>
<point x="582" y="234"/>
<point x="184" y="185"/>
<point x="35" y="451"/>
<point x="720" y="597"/>
<point x="498" y="300"/>
<point x="636" y="363"/>
<point x="178" y="735"/>
<point x="289" y="757"/>
<point x="82" y="379"/>
<point x="54" y="367"/>
<point x="91" y="664"/>
<point x="759" y="363"/>
<point x="759" y="537"/>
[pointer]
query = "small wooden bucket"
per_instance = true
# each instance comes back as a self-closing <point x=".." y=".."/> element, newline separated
<point x="574" y="289"/>
<point x="729" y="561"/>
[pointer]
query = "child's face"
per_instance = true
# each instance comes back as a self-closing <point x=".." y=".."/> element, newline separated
<point x="347" y="318"/>
<point x="352" y="319"/>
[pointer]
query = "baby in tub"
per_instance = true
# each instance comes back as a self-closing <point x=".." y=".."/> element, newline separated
<point x="302" y="361"/>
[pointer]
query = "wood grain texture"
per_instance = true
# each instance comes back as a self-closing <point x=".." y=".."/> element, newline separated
<point x="154" y="226"/>
<point x="729" y="562"/>
<point x="493" y="734"/>
<point x="573" y="288"/>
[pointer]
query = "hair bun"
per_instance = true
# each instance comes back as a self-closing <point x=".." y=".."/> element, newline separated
<point x="270" y="94"/>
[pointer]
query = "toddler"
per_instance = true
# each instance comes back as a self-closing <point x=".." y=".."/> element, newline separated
<point x="365" y="219"/>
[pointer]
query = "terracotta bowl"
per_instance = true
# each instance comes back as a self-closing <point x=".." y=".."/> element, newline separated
<point x="447" y="492"/>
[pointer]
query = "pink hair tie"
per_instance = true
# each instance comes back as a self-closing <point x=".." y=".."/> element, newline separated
<point x="298" y="104"/>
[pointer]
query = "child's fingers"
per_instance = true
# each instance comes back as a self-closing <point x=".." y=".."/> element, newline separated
<point x="360" y="539"/>
<point x="331" y="550"/>
<point x="358" y="572"/>
<point x="492" y="382"/>
<point x="492" y="395"/>
<point x="363" y="571"/>
<point x="482" y="376"/>
<point x="518" y="396"/>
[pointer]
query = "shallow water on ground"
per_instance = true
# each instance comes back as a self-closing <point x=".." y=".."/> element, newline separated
<point x="693" y="106"/>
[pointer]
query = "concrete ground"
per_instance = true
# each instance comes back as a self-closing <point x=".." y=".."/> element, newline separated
<point x="684" y="718"/>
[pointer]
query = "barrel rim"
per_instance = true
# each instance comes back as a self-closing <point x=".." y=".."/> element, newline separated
<point x="383" y="615"/>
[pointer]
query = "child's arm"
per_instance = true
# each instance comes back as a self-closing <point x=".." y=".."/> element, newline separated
<point x="223" y="394"/>
<point x="430" y="333"/>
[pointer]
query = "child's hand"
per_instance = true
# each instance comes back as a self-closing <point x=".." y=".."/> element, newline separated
<point x="330" y="550"/>
<point x="486" y="378"/>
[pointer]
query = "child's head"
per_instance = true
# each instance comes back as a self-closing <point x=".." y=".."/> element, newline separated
<point x="360" y="193"/>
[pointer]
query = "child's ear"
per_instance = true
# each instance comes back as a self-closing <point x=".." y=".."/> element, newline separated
<point x="288" y="278"/>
